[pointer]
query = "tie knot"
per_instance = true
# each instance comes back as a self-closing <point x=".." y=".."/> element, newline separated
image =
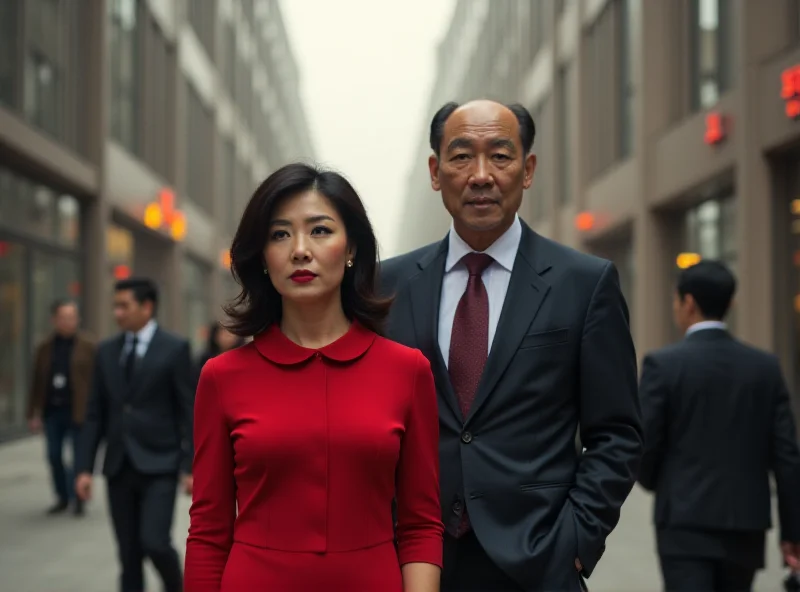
<point x="477" y="262"/>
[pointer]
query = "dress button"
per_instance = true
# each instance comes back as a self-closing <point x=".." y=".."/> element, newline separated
<point x="466" y="437"/>
<point x="457" y="507"/>
<point x="318" y="355"/>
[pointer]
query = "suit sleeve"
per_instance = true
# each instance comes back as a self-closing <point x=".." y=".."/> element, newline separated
<point x="653" y="394"/>
<point x="786" y="463"/>
<point x="183" y="389"/>
<point x="214" y="493"/>
<point x="610" y="419"/>
<point x="95" y="424"/>
<point x="419" y="524"/>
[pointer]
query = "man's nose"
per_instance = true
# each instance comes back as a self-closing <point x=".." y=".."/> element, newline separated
<point x="481" y="174"/>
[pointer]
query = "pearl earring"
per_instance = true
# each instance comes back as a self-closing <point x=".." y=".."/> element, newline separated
<point x="266" y="272"/>
<point x="349" y="263"/>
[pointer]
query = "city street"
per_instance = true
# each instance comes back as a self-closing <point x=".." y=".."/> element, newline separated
<point x="64" y="554"/>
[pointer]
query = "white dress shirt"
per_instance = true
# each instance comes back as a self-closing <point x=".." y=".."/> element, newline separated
<point x="144" y="336"/>
<point x="703" y="325"/>
<point x="496" y="278"/>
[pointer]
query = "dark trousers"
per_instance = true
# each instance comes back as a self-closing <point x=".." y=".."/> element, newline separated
<point x="142" y="507"/>
<point x="59" y="427"/>
<point x="686" y="574"/>
<point x="467" y="568"/>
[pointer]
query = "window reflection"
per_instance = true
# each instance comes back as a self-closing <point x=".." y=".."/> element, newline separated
<point x="12" y="332"/>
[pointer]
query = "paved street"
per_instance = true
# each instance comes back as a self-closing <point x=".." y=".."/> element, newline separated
<point x="62" y="554"/>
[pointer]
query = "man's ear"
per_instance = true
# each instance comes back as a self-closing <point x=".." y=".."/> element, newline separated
<point x="433" y="166"/>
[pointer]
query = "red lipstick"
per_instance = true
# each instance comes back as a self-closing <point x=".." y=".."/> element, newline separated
<point x="302" y="276"/>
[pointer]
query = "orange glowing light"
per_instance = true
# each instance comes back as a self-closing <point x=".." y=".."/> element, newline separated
<point x="177" y="227"/>
<point x="796" y="258"/>
<point x="166" y="199"/>
<point x="584" y="221"/>
<point x="797" y="303"/>
<point x="226" y="258"/>
<point x="715" y="128"/>
<point x="122" y="272"/>
<point x="790" y="83"/>
<point x="686" y="260"/>
<point x="153" y="217"/>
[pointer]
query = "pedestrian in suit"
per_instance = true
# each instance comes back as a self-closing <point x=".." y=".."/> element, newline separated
<point x="528" y="340"/>
<point x="141" y="406"/>
<point x="717" y="422"/>
<point x="62" y="370"/>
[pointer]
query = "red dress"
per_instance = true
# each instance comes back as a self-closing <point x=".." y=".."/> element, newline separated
<point x="312" y="445"/>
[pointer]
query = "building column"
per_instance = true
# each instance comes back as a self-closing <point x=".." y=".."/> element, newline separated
<point x="96" y="288"/>
<point x="652" y="291"/>
<point x="754" y="203"/>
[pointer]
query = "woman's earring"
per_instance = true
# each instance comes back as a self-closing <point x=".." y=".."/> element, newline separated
<point x="349" y="263"/>
<point x="266" y="271"/>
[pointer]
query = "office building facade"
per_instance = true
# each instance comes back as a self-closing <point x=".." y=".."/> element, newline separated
<point x="666" y="132"/>
<point x="132" y="133"/>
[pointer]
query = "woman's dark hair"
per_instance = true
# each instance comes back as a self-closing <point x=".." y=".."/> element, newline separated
<point x="212" y="347"/>
<point x="258" y="305"/>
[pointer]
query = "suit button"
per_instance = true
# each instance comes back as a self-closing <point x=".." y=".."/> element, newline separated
<point x="466" y="437"/>
<point x="457" y="507"/>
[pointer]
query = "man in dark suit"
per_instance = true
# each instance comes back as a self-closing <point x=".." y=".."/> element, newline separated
<point x="141" y="405"/>
<point x="717" y="421"/>
<point x="528" y="340"/>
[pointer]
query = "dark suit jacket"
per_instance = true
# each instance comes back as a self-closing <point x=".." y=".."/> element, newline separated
<point x="149" y="421"/>
<point x="717" y="421"/>
<point x="562" y="357"/>
<point x="80" y="376"/>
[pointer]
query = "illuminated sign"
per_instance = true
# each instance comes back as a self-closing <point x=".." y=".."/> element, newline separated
<point x="686" y="260"/>
<point x="715" y="128"/>
<point x="122" y="272"/>
<point x="584" y="221"/>
<point x="225" y="258"/>
<point x="162" y="215"/>
<point x="790" y="91"/>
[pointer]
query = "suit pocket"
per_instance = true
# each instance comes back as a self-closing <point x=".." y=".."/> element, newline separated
<point x="545" y="338"/>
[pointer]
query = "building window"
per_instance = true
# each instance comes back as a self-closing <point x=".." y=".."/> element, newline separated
<point x="229" y="186"/>
<point x="203" y="18"/>
<point x="13" y="315"/>
<point x="538" y="193"/>
<point x="626" y="16"/>
<point x="45" y="99"/>
<point x="9" y="41"/>
<point x="229" y="58"/>
<point x="710" y="232"/>
<point x="125" y="72"/>
<point x="711" y="51"/>
<point x="199" y="155"/>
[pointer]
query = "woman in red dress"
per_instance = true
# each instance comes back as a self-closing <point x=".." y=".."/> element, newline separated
<point x="313" y="429"/>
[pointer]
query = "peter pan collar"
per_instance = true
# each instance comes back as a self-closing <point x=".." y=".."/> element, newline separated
<point x="276" y="347"/>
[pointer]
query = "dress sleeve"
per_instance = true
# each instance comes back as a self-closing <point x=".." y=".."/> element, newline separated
<point x="213" y="508"/>
<point x="419" y="518"/>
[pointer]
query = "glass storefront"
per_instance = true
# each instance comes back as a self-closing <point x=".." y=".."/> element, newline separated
<point x="40" y="261"/>
<point x="709" y="230"/>
<point x="196" y="280"/>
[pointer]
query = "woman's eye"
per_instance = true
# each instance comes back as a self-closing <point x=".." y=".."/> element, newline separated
<point x="278" y="234"/>
<point x="321" y="230"/>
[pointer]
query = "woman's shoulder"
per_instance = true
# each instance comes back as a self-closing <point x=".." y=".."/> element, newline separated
<point x="400" y="354"/>
<point x="232" y="360"/>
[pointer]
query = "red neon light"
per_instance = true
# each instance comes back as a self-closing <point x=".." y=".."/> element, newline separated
<point x="715" y="129"/>
<point x="122" y="272"/>
<point x="793" y="109"/>
<point x="584" y="221"/>
<point x="790" y="83"/>
<point x="166" y="198"/>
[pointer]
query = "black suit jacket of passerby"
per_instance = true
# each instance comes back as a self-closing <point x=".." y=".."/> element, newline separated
<point x="147" y="421"/>
<point x="718" y="420"/>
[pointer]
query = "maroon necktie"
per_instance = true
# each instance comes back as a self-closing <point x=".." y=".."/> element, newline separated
<point x="469" y="343"/>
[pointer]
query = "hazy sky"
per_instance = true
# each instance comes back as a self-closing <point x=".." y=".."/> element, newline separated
<point x="366" y="70"/>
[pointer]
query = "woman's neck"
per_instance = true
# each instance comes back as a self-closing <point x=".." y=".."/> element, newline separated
<point x="313" y="326"/>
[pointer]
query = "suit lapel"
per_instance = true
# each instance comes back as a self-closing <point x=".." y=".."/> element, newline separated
<point x="426" y="291"/>
<point x="526" y="293"/>
<point x="117" y="370"/>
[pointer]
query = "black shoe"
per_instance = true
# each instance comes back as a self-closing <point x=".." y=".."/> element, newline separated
<point x="78" y="509"/>
<point x="57" y="508"/>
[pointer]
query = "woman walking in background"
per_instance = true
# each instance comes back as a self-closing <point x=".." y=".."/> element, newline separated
<point x="314" y="427"/>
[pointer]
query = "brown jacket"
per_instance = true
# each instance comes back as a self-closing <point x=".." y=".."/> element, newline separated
<point x="80" y="376"/>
